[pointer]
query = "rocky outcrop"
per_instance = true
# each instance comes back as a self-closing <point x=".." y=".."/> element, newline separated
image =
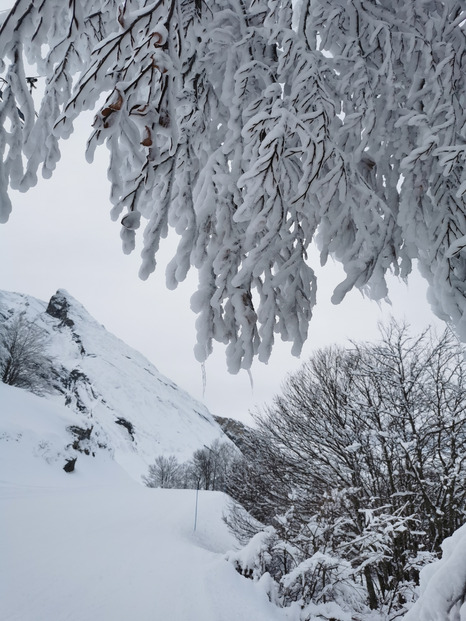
<point x="123" y="404"/>
<point x="70" y="464"/>
<point x="58" y="308"/>
<point x="236" y="431"/>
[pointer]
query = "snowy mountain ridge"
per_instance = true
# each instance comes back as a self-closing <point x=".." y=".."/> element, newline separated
<point x="119" y="400"/>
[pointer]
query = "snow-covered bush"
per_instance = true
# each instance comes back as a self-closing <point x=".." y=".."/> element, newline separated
<point x="361" y="459"/>
<point x="314" y="583"/>
<point x="443" y="584"/>
<point x="323" y="578"/>
<point x="264" y="553"/>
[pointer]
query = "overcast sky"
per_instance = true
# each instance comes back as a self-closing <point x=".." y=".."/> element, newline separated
<point x="60" y="236"/>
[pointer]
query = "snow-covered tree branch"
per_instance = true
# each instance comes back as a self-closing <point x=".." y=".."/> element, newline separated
<point x="253" y="128"/>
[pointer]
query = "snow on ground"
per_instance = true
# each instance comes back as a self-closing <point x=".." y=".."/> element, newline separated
<point x="114" y="554"/>
<point x="93" y="545"/>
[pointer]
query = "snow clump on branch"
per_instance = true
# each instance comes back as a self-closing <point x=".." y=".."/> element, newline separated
<point x="253" y="129"/>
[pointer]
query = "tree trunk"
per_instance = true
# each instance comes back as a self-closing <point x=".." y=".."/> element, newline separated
<point x="370" y="588"/>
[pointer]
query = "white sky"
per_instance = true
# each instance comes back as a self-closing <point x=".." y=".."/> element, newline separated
<point x="60" y="236"/>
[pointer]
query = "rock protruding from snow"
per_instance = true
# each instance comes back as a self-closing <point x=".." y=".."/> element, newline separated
<point x="58" y="307"/>
<point x="238" y="432"/>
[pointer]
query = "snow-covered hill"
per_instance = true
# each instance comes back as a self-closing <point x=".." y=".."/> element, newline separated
<point x="132" y="410"/>
<point x="95" y="545"/>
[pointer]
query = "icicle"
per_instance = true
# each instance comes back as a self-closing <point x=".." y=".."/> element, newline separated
<point x="204" y="379"/>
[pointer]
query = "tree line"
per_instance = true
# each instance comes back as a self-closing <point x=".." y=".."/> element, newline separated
<point x="208" y="469"/>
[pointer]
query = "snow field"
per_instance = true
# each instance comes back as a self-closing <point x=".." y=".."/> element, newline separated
<point x="101" y="552"/>
<point x="93" y="545"/>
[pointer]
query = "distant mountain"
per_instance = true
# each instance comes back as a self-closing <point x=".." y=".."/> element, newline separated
<point x="121" y="403"/>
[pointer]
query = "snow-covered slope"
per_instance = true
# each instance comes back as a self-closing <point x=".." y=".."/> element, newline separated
<point x="133" y="410"/>
<point x="95" y="545"/>
<point x="35" y="444"/>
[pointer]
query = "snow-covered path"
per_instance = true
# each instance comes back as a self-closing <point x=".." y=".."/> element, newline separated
<point x="95" y="545"/>
<point x="120" y="553"/>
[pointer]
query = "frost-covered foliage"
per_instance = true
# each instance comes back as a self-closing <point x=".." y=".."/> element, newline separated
<point x="262" y="554"/>
<point x="312" y="583"/>
<point x="251" y="128"/>
<point x="323" y="578"/>
<point x="360" y="467"/>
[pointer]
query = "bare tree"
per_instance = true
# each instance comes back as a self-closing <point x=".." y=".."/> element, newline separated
<point x="362" y="457"/>
<point x="208" y="469"/>
<point x="164" y="472"/>
<point x="211" y="464"/>
<point x="24" y="361"/>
